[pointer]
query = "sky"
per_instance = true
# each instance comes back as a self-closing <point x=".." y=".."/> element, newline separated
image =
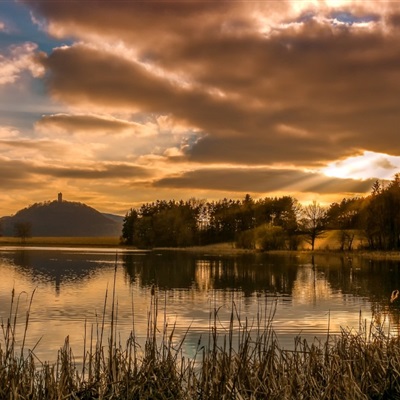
<point x="117" y="103"/>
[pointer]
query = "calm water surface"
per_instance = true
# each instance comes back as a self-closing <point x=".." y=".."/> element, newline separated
<point x="73" y="286"/>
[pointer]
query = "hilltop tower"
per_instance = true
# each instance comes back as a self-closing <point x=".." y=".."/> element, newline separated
<point x="60" y="197"/>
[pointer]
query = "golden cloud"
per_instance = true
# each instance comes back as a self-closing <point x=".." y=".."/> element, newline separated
<point x="18" y="59"/>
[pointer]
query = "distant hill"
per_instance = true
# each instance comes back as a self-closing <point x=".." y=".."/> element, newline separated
<point x="63" y="218"/>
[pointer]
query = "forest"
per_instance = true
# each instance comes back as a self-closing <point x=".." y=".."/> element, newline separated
<point x="270" y="223"/>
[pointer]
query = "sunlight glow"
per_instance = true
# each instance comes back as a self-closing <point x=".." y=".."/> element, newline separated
<point x="366" y="166"/>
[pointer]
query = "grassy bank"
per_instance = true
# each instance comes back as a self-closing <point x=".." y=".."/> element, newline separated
<point x="61" y="241"/>
<point x="243" y="361"/>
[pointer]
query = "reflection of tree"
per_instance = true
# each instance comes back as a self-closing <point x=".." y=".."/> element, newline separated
<point x="311" y="284"/>
<point x="373" y="280"/>
<point x="249" y="273"/>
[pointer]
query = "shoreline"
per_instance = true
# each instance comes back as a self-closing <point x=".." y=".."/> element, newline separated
<point x="224" y="250"/>
<point x="215" y="249"/>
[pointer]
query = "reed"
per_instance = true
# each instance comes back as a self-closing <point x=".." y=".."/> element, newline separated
<point x="240" y="361"/>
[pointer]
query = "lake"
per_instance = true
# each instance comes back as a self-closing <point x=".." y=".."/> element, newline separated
<point x="73" y="286"/>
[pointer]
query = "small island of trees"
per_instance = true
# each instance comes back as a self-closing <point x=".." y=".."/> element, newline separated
<point x="270" y="223"/>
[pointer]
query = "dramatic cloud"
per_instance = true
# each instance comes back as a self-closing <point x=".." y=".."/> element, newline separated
<point x="326" y="85"/>
<point x="263" y="181"/>
<point x="365" y="166"/>
<point x="158" y="99"/>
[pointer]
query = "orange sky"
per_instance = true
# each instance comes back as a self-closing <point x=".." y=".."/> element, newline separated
<point x="116" y="103"/>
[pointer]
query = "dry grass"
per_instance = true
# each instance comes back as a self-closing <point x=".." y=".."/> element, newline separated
<point x="226" y="248"/>
<point x="243" y="361"/>
<point x="62" y="241"/>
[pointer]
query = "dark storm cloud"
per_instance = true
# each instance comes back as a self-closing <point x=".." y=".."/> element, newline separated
<point x="263" y="181"/>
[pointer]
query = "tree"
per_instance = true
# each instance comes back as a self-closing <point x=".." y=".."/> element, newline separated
<point x="347" y="218"/>
<point x="382" y="226"/>
<point x="224" y="220"/>
<point x="313" y="222"/>
<point x="23" y="230"/>
<point x="164" y="224"/>
<point x="271" y="237"/>
<point x="128" y="227"/>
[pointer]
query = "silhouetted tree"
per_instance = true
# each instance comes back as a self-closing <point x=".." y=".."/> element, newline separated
<point x="224" y="219"/>
<point x="347" y="218"/>
<point x="128" y="227"/>
<point x="383" y="216"/>
<point x="164" y="224"/>
<point x="313" y="222"/>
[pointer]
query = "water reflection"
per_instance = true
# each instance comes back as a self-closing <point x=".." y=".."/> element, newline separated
<point x="51" y="266"/>
<point x="247" y="273"/>
<point x="307" y="291"/>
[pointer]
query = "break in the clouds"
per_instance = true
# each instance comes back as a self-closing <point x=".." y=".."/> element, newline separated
<point x="288" y="96"/>
<point x="17" y="59"/>
<point x="364" y="166"/>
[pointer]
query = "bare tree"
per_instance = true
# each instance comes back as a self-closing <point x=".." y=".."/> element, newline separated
<point x="23" y="230"/>
<point x="313" y="222"/>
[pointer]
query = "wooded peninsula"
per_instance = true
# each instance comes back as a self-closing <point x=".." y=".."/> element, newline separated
<point x="271" y="223"/>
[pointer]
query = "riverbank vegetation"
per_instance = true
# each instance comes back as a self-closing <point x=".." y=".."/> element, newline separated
<point x="371" y="222"/>
<point x="242" y="360"/>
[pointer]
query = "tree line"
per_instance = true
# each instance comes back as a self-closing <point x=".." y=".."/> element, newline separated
<point x="270" y="223"/>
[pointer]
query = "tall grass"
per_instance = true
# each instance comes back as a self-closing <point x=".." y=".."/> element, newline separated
<point x="240" y="361"/>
